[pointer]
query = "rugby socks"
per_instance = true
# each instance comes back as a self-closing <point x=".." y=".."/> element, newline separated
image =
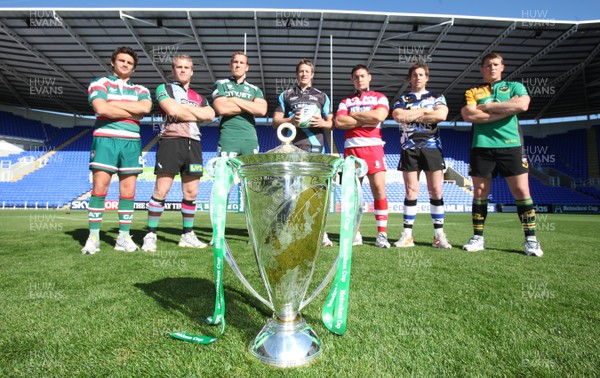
<point x="188" y="210"/>
<point x="381" y="214"/>
<point x="479" y="213"/>
<point x="436" y="209"/>
<point x="526" y="213"/>
<point x="155" y="210"/>
<point x="95" y="213"/>
<point x="410" y="213"/>
<point x="125" y="214"/>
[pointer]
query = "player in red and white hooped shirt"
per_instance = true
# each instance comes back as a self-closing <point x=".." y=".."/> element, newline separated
<point x="360" y="116"/>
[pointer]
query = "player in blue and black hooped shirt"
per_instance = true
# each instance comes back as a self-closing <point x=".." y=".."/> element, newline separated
<point x="418" y="113"/>
<point x="312" y="138"/>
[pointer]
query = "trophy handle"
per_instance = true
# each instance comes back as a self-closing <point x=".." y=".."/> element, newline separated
<point x="322" y="285"/>
<point x="232" y="263"/>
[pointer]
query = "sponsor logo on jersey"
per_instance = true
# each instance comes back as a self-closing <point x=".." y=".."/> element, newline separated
<point x="195" y="168"/>
<point x="185" y="101"/>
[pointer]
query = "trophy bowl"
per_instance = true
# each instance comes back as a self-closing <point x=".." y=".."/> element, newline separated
<point x="286" y="198"/>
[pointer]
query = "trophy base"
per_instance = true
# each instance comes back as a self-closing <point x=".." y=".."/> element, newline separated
<point x="286" y="344"/>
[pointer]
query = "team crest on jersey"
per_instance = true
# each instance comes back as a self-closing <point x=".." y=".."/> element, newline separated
<point x="503" y="89"/>
<point x="112" y="90"/>
<point x="246" y="89"/>
<point x="377" y="164"/>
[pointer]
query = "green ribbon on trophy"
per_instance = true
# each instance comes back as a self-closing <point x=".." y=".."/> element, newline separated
<point x="220" y="191"/>
<point x="335" y="312"/>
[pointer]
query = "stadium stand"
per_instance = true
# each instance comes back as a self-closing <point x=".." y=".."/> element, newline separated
<point x="64" y="176"/>
<point x="22" y="128"/>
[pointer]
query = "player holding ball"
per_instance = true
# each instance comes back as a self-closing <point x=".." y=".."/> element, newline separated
<point x="306" y="108"/>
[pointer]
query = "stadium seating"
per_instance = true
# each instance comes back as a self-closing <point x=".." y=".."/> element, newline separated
<point x="66" y="176"/>
<point x="15" y="126"/>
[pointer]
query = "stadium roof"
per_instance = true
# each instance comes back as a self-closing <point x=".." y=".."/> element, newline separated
<point x="49" y="56"/>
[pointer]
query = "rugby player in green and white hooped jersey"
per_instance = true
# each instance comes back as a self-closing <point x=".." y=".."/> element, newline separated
<point x="238" y="102"/>
<point x="116" y="148"/>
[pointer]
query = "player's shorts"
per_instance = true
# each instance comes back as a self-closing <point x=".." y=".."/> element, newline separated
<point x="179" y="155"/>
<point x="116" y="155"/>
<point x="421" y="159"/>
<point x="234" y="147"/>
<point x="372" y="155"/>
<point x="489" y="162"/>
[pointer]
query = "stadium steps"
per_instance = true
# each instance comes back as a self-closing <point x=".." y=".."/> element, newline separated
<point x="49" y="154"/>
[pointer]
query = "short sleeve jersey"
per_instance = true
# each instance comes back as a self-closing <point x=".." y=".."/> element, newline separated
<point x="366" y="135"/>
<point x="113" y="88"/>
<point x="420" y="135"/>
<point x="505" y="132"/>
<point x="294" y="99"/>
<point x="177" y="92"/>
<point x="239" y="126"/>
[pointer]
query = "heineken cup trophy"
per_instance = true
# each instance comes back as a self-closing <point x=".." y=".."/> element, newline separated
<point x="286" y="195"/>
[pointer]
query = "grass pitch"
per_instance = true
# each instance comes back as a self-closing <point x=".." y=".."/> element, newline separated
<point x="419" y="311"/>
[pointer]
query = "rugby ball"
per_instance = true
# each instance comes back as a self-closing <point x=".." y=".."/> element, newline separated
<point x="306" y="113"/>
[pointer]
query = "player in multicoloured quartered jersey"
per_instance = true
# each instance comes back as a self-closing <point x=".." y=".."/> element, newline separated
<point x="360" y="116"/>
<point x="179" y="151"/>
<point x="497" y="148"/>
<point x="116" y="147"/>
<point x="418" y="113"/>
<point x="290" y="103"/>
<point x="238" y="102"/>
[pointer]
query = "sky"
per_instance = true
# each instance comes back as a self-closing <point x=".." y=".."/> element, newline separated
<point x="573" y="10"/>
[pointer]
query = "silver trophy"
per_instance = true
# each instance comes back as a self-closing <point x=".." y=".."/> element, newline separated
<point x="286" y="193"/>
